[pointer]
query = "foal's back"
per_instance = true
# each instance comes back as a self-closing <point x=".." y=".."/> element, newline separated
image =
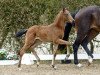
<point x="45" y="33"/>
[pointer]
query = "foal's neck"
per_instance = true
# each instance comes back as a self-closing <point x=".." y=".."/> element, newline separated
<point x="59" y="22"/>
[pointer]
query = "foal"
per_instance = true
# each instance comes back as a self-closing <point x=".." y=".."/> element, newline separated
<point x="54" y="33"/>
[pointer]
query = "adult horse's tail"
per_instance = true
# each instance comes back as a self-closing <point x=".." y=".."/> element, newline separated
<point x="21" y="32"/>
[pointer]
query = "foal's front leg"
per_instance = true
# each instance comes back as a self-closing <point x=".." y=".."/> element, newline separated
<point x="60" y="41"/>
<point x="63" y="42"/>
<point x="68" y="53"/>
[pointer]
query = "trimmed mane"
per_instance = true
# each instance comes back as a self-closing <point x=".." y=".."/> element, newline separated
<point x="58" y="16"/>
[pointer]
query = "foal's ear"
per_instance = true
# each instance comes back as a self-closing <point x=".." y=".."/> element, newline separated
<point x="64" y="9"/>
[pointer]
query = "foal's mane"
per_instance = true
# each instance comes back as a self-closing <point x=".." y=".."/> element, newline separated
<point x="58" y="19"/>
<point x="58" y="16"/>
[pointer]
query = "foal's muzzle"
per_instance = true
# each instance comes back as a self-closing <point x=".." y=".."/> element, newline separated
<point x="72" y="20"/>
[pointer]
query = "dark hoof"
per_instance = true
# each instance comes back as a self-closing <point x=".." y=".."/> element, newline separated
<point x="89" y="63"/>
<point x="92" y="56"/>
<point x="37" y="65"/>
<point x="54" y="67"/>
<point x="66" y="61"/>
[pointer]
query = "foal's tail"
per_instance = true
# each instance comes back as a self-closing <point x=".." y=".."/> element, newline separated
<point x="21" y="32"/>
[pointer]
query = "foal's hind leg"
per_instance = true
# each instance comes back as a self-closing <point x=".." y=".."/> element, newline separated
<point x="36" y="43"/>
<point x="92" y="34"/>
<point x="21" y="53"/>
<point x="29" y="41"/>
<point x="36" y="56"/>
<point x="76" y="45"/>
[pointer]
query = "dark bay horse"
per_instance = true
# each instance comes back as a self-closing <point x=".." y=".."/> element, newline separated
<point x="87" y="24"/>
<point x="54" y="33"/>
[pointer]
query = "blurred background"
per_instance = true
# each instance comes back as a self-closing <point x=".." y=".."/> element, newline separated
<point x="22" y="14"/>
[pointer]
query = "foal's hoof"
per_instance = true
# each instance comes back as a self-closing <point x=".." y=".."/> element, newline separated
<point x="54" y="67"/>
<point x="66" y="58"/>
<point x="37" y="65"/>
<point x="19" y="69"/>
<point x="79" y="65"/>
<point x="89" y="64"/>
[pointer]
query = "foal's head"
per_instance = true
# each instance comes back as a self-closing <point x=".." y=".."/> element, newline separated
<point x="67" y="16"/>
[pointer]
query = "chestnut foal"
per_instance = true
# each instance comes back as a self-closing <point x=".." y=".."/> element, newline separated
<point x="54" y="33"/>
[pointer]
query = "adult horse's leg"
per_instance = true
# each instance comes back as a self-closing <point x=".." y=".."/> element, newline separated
<point x="82" y="25"/>
<point x="54" y="55"/>
<point x="80" y="36"/>
<point x="75" y="48"/>
<point x="92" y="34"/>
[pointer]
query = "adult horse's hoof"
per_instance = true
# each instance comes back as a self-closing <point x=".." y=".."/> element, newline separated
<point x="79" y="65"/>
<point x="90" y="59"/>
